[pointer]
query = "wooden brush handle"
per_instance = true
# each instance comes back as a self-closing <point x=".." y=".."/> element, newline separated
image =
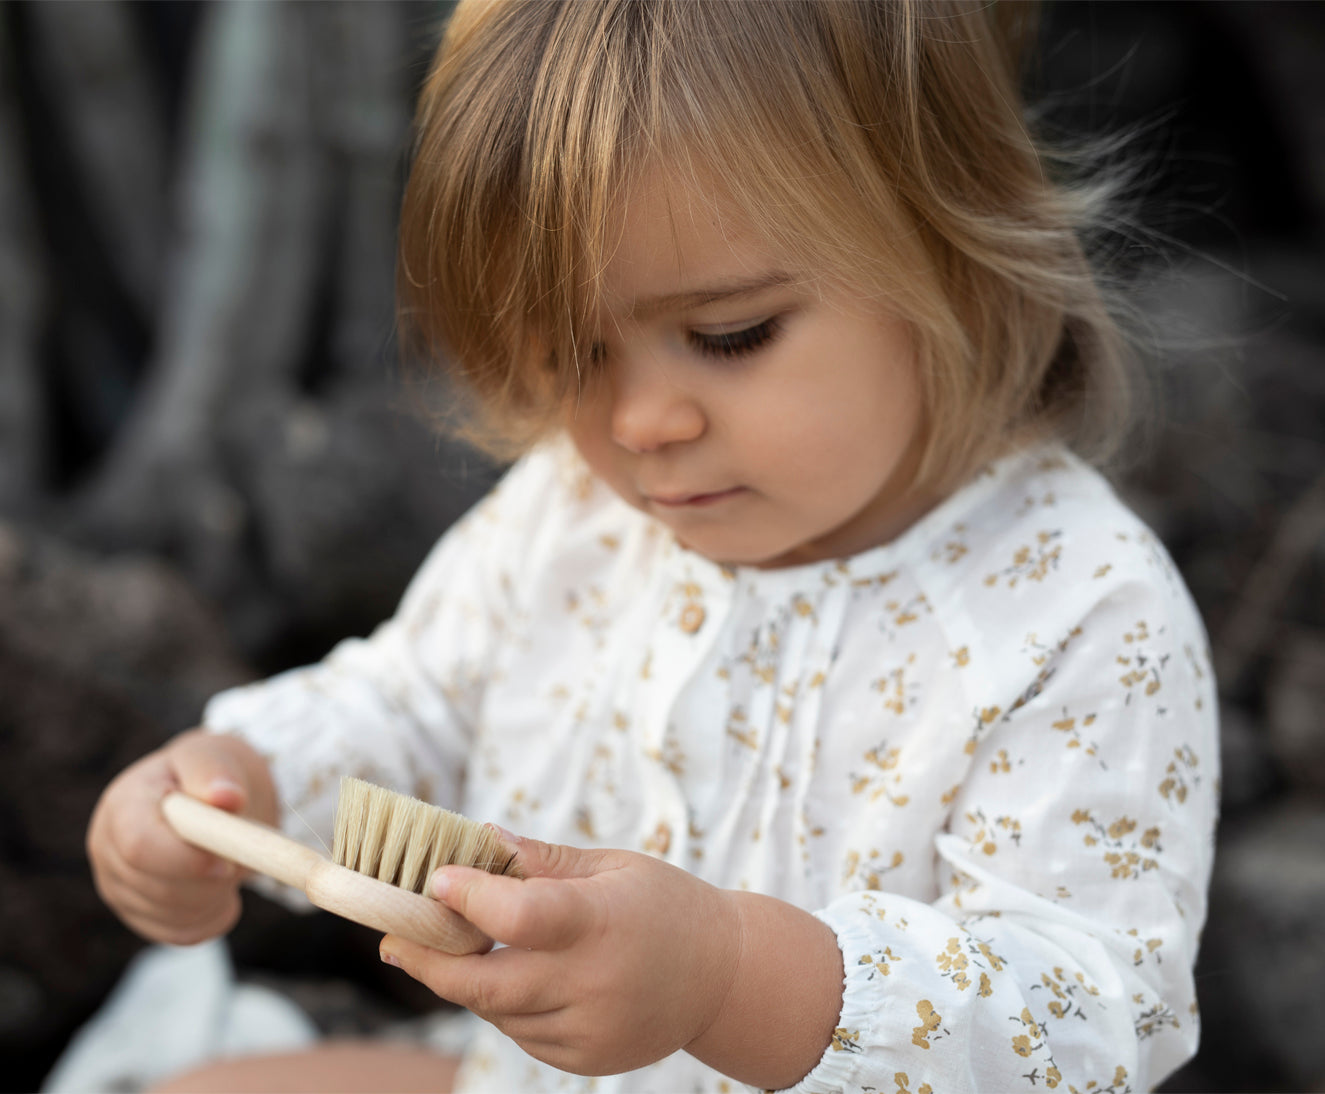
<point x="335" y="888"/>
<point x="240" y="840"/>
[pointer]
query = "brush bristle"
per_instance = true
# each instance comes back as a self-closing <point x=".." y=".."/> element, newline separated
<point x="402" y="840"/>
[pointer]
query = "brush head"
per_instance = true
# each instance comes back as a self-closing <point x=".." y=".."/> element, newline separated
<point x="401" y="840"/>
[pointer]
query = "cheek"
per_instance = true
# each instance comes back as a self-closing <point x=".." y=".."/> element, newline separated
<point x="590" y="447"/>
<point x="585" y="423"/>
<point x="880" y="403"/>
<point x="854" y="422"/>
<point x="589" y="433"/>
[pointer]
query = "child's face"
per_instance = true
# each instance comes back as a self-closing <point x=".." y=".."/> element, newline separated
<point x="764" y="420"/>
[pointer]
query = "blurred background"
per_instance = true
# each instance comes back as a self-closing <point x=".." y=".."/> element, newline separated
<point x="211" y="468"/>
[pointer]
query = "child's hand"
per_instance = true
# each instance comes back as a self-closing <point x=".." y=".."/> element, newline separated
<point x="160" y="886"/>
<point x="613" y="960"/>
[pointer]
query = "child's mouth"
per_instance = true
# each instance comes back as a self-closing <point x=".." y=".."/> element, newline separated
<point x="695" y="501"/>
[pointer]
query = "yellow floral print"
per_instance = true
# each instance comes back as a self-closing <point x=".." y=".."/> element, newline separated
<point x="868" y="873"/>
<point x="1180" y="776"/>
<point x="846" y="1040"/>
<point x="930" y="1020"/>
<point x="952" y="552"/>
<point x="903" y="1082"/>
<point x="988" y="832"/>
<point x="1142" y="666"/>
<point x="1031" y="562"/>
<point x="1065" y="1003"/>
<point x="660" y="841"/>
<point x="584" y="823"/>
<point x="952" y="964"/>
<point x="881" y="777"/>
<point x="880" y="962"/>
<point x="739" y="729"/>
<point x="929" y="763"/>
<point x="897" y="691"/>
<point x="1127" y="856"/>
<point x="1071" y="727"/>
<point x="878" y="581"/>
<point x="966" y="953"/>
<point x="1150" y="947"/>
<point x="903" y="613"/>
<point x="984" y="718"/>
<point x="1119" y="1085"/>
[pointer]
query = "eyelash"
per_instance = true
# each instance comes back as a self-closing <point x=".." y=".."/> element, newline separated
<point x="736" y="343"/>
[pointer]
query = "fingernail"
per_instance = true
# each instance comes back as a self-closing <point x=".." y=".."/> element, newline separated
<point x="388" y="958"/>
<point x="439" y="885"/>
<point x="224" y="787"/>
<point x="509" y="837"/>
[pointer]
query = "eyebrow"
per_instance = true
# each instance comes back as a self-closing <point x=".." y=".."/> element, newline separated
<point x="710" y="294"/>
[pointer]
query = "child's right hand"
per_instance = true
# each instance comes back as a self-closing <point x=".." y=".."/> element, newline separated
<point x="163" y="888"/>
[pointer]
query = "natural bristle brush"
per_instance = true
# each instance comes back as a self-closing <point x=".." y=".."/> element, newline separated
<point x="386" y="846"/>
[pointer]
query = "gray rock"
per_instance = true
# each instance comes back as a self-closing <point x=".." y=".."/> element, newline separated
<point x="63" y="736"/>
<point x="1264" y="961"/>
<point x="1295" y="706"/>
<point x="130" y="624"/>
<point x="1247" y="773"/>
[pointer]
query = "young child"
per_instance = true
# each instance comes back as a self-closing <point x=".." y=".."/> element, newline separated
<point x="858" y="737"/>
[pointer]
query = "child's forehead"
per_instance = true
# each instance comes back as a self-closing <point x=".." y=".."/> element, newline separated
<point x="678" y="240"/>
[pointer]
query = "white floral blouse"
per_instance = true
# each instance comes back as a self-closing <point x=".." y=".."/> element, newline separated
<point x="985" y="754"/>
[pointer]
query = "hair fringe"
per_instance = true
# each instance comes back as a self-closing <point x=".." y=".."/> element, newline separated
<point x="893" y="150"/>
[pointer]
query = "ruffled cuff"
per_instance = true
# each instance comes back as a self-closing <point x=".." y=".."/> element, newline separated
<point x="864" y="1010"/>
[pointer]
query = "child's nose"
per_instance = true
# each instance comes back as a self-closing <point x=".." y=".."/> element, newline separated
<point x="650" y="411"/>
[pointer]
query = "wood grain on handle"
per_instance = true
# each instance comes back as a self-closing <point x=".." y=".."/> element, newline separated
<point x="335" y="888"/>
<point x="240" y="840"/>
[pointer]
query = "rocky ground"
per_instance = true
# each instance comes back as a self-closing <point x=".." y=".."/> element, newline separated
<point x="209" y="468"/>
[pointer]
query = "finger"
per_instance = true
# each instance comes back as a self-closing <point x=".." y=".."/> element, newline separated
<point x="533" y="913"/>
<point x="168" y="911"/>
<point x="183" y="927"/>
<point x="126" y="887"/>
<point x="538" y="859"/>
<point x="497" y="986"/>
<point x="157" y="898"/>
<point x="138" y="835"/>
<point x="207" y="770"/>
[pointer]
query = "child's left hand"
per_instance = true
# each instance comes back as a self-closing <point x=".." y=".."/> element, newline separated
<point x="613" y="959"/>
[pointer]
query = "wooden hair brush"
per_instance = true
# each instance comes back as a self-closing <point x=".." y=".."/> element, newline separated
<point x="386" y="846"/>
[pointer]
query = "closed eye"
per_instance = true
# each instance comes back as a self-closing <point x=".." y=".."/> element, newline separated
<point x="735" y="343"/>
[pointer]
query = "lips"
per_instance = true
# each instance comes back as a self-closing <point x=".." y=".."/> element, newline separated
<point x="685" y="501"/>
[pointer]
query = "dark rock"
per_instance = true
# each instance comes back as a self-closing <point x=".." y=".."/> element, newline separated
<point x="63" y="736"/>
<point x="1247" y="772"/>
<point x="130" y="623"/>
<point x="1263" y="958"/>
<point x="101" y="660"/>
<point x="346" y="494"/>
<point x="1295" y="704"/>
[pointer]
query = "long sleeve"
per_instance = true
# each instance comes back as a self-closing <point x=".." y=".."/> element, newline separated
<point x="985" y="754"/>
<point x="397" y="708"/>
<point x="1073" y="866"/>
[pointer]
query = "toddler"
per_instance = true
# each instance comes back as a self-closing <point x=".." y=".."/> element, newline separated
<point x="856" y="735"/>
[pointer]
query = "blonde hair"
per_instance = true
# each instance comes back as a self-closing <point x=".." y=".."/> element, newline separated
<point x="880" y="142"/>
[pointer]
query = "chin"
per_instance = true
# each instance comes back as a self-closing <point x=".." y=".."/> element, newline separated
<point x="737" y="554"/>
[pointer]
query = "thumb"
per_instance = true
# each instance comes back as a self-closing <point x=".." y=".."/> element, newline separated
<point x="538" y="913"/>
<point x="209" y="771"/>
<point x="542" y="909"/>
